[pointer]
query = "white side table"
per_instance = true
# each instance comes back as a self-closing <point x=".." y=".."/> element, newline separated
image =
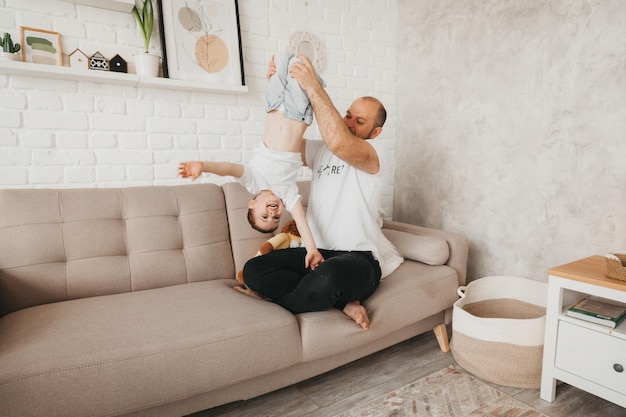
<point x="586" y="355"/>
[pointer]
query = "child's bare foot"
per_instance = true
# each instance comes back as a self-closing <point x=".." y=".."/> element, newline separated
<point x="247" y="291"/>
<point x="357" y="312"/>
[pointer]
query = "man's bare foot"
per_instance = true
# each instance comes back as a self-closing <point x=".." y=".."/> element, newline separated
<point x="357" y="312"/>
<point x="247" y="291"/>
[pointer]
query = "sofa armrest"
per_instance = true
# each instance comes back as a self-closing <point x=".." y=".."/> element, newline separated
<point x="458" y="244"/>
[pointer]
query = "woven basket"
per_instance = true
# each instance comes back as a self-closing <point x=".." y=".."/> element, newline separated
<point x="616" y="265"/>
<point x="498" y="329"/>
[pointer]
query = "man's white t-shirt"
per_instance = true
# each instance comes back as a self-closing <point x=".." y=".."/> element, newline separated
<point x="344" y="201"/>
<point x="275" y="171"/>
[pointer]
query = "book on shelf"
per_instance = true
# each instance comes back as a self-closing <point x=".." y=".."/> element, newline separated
<point x="598" y="311"/>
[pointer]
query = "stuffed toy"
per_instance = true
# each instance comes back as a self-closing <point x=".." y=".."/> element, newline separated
<point x="289" y="237"/>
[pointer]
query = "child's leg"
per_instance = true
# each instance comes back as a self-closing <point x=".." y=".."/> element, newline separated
<point x="297" y="104"/>
<point x="275" y="92"/>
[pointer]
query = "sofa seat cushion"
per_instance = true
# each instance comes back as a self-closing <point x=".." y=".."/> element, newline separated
<point x="118" y="353"/>
<point x="411" y="293"/>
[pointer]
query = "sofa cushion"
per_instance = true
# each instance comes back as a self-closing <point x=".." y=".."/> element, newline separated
<point x="60" y="245"/>
<point x="388" y="256"/>
<point x="426" y="249"/>
<point x="411" y="293"/>
<point x="150" y="347"/>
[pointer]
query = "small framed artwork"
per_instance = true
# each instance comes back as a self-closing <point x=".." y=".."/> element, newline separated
<point x="41" y="46"/>
<point x="203" y="41"/>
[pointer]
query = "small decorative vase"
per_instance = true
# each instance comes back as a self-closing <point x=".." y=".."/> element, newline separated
<point x="147" y="65"/>
<point x="8" y="56"/>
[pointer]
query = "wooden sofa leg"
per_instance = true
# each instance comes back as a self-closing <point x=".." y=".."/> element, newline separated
<point x="441" y="332"/>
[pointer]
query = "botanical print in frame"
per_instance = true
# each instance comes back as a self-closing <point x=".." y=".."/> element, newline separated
<point x="202" y="41"/>
<point x="41" y="46"/>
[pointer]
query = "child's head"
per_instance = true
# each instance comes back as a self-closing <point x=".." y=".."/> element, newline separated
<point x="264" y="211"/>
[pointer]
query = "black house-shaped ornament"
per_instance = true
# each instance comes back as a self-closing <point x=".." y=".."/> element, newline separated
<point x="118" y="64"/>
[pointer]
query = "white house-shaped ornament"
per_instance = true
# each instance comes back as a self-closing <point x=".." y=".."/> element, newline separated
<point x="78" y="59"/>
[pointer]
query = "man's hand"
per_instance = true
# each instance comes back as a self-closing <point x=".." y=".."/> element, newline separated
<point x="191" y="169"/>
<point x="304" y="73"/>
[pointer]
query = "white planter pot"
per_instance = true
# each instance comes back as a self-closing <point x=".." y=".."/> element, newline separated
<point x="7" y="56"/>
<point x="147" y="65"/>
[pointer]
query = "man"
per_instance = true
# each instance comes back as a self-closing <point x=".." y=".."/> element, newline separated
<point x="349" y="173"/>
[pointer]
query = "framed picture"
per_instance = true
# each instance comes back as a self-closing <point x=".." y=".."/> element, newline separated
<point x="202" y="41"/>
<point x="41" y="46"/>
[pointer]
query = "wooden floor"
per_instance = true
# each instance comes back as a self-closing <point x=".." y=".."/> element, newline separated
<point x="371" y="377"/>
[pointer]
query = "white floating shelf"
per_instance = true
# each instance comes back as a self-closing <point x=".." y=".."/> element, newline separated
<point x="28" y="69"/>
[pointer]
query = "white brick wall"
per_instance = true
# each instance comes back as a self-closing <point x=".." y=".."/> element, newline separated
<point x="57" y="133"/>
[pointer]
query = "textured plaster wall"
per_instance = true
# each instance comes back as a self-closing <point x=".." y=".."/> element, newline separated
<point x="512" y="128"/>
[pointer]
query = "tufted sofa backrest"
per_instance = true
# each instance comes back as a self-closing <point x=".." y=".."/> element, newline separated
<point x="58" y="245"/>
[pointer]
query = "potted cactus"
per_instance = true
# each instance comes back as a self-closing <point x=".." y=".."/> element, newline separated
<point x="9" y="49"/>
<point x="146" y="63"/>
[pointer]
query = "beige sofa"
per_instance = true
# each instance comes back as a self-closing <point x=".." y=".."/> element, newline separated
<point x="120" y="302"/>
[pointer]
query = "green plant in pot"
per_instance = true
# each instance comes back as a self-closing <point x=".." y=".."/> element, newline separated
<point x="146" y="64"/>
<point x="9" y="49"/>
<point x="145" y="20"/>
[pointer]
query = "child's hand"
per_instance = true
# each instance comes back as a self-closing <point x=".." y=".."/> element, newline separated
<point x="313" y="259"/>
<point x="191" y="169"/>
<point x="271" y="70"/>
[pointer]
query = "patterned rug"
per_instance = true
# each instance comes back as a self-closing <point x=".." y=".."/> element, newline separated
<point x="450" y="393"/>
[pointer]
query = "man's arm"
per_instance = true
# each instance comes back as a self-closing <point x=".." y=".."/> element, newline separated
<point x="338" y="138"/>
